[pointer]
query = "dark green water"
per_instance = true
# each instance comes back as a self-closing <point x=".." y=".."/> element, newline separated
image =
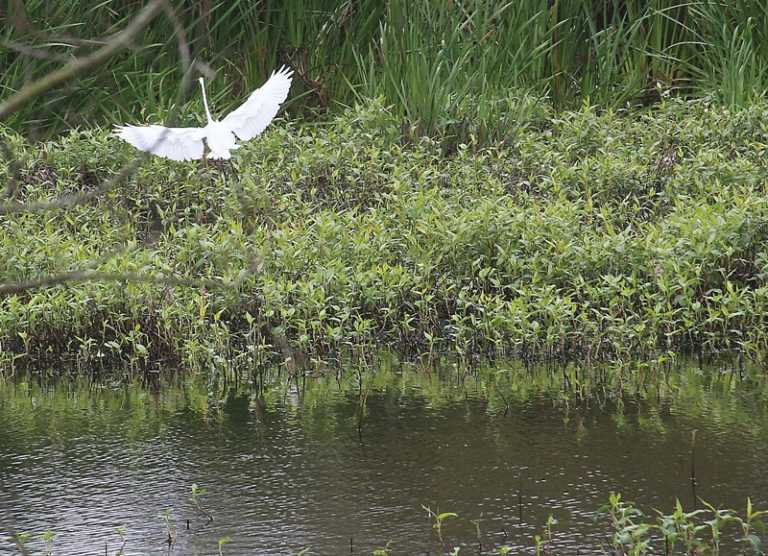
<point x="294" y="468"/>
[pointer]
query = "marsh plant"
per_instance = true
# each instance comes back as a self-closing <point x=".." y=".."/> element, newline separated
<point x="197" y="493"/>
<point x="596" y="235"/>
<point x="48" y="538"/>
<point x="438" y="519"/>
<point x="383" y="550"/>
<point x="698" y="531"/>
<point x="454" y="69"/>
<point x="222" y="542"/>
<point x="120" y="532"/>
<point x="543" y="542"/>
<point x="168" y="525"/>
<point x="22" y="539"/>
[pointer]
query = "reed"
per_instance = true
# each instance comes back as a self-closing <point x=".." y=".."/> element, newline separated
<point x="449" y="68"/>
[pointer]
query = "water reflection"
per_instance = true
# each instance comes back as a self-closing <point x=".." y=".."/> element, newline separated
<point x="332" y="464"/>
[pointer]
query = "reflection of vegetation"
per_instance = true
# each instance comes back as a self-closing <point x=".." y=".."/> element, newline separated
<point x="326" y="407"/>
<point x="325" y="403"/>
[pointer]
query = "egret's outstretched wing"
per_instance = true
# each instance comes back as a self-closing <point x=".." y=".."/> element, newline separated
<point x="176" y="143"/>
<point x="254" y="115"/>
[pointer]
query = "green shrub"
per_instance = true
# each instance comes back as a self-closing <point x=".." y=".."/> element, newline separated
<point x="597" y="235"/>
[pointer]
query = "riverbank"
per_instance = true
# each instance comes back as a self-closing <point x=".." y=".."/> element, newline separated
<point x="592" y="235"/>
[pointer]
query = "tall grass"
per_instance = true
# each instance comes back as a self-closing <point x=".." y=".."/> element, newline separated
<point x="733" y="64"/>
<point x="448" y="66"/>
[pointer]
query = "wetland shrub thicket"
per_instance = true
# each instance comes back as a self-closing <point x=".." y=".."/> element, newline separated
<point x="589" y="234"/>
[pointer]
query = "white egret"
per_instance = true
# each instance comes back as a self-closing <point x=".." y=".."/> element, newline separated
<point x="243" y="123"/>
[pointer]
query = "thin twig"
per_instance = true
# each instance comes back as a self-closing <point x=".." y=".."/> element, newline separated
<point x="34" y="52"/>
<point x="185" y="57"/>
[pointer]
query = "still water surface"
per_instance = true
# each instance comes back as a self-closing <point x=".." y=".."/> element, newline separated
<point x="306" y="467"/>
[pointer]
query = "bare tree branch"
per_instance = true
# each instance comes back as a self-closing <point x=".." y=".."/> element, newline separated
<point x="79" y="65"/>
<point x="185" y="56"/>
<point x="18" y="16"/>
<point x="68" y="201"/>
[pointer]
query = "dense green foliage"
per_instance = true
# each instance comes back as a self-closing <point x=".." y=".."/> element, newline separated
<point x="445" y="64"/>
<point x="597" y="235"/>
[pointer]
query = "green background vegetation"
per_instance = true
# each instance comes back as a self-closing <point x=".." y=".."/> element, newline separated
<point x="448" y="66"/>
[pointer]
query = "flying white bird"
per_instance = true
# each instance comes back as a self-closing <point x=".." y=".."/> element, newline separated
<point x="243" y="123"/>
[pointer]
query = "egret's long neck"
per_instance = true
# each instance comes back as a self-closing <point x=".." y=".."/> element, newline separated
<point x="205" y="101"/>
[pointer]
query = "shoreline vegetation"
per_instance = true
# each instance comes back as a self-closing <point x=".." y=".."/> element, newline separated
<point x="581" y="181"/>
<point x="589" y="234"/>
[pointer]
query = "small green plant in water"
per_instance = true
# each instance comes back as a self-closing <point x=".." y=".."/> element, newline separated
<point x="197" y="493"/>
<point x="48" y="537"/>
<point x="695" y="532"/>
<point x="629" y="530"/>
<point x="168" y="522"/>
<point x="541" y="543"/>
<point x="222" y="542"/>
<point x="478" y="534"/>
<point x="749" y="525"/>
<point x="120" y="531"/>
<point x="438" y="519"/>
<point x="22" y="539"/>
<point x="382" y="550"/>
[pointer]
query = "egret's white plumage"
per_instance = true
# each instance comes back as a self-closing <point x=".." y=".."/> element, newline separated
<point x="244" y="123"/>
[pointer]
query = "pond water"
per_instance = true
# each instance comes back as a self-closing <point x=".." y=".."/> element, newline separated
<point x="344" y="464"/>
